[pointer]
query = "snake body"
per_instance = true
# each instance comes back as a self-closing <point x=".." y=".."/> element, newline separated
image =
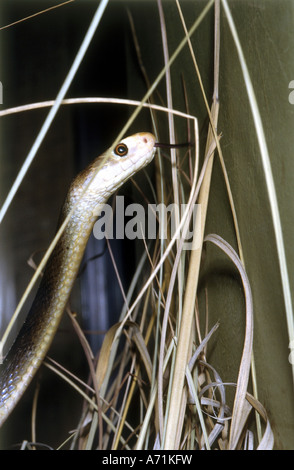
<point x="85" y="199"/>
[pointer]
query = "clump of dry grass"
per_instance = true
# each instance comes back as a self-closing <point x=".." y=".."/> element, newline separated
<point x="153" y="386"/>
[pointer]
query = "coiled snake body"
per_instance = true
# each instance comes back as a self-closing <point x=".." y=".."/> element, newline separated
<point x="87" y="194"/>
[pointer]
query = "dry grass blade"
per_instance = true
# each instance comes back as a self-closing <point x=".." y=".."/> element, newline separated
<point x="112" y="334"/>
<point x="177" y="393"/>
<point x="36" y="14"/>
<point x="187" y="317"/>
<point x="153" y="396"/>
<point x="240" y="413"/>
<point x="221" y="404"/>
<point x="267" y="440"/>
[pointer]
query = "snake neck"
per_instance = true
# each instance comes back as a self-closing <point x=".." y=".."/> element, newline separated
<point x="36" y="334"/>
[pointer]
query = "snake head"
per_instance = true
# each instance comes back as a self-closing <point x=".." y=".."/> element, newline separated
<point x="96" y="183"/>
<point x="119" y="163"/>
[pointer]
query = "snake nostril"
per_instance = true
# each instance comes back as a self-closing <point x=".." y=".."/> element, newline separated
<point x="145" y="140"/>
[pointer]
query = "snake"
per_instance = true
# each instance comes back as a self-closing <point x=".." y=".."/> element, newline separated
<point x="87" y="195"/>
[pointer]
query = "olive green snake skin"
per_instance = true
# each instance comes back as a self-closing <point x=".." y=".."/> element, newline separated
<point x="87" y="194"/>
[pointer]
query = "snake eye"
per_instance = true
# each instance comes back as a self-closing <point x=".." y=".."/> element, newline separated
<point x="121" y="150"/>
